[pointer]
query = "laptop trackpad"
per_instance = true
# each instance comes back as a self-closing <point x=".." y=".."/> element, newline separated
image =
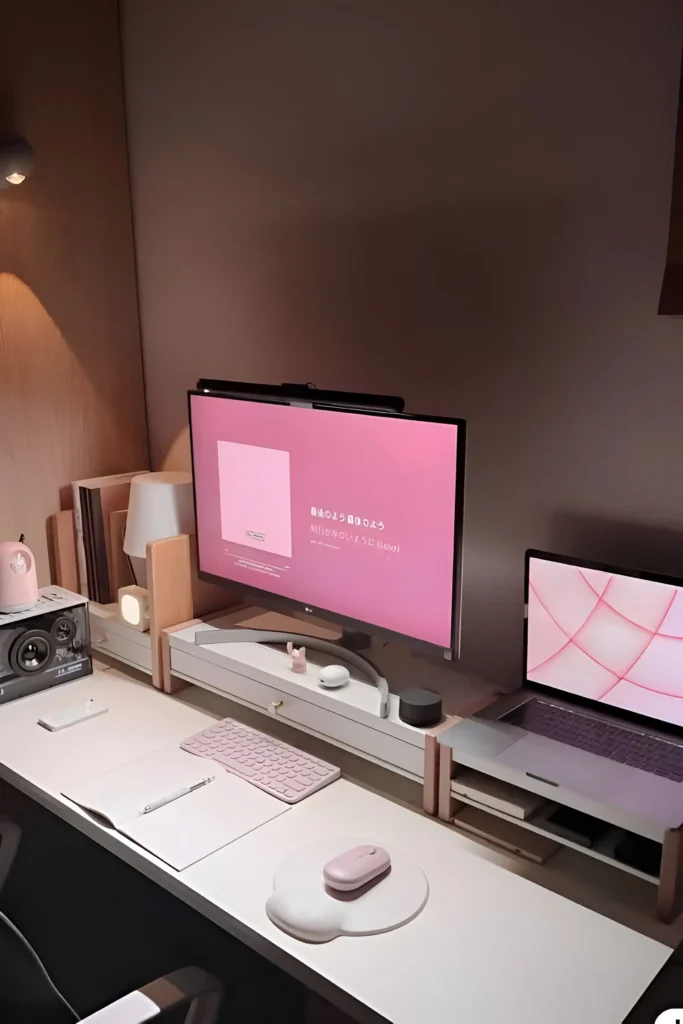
<point x="566" y="766"/>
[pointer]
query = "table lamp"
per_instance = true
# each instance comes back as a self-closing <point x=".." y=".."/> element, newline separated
<point x="160" y="506"/>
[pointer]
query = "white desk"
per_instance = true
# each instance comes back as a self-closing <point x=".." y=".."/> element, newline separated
<point x="489" y="945"/>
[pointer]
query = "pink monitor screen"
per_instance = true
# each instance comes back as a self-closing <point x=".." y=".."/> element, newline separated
<point x="607" y="636"/>
<point x="346" y="513"/>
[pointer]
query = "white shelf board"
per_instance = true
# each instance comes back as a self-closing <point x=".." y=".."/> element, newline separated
<point x="109" y="635"/>
<point x="603" y="850"/>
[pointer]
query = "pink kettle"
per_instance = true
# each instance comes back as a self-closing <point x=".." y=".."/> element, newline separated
<point x="18" y="581"/>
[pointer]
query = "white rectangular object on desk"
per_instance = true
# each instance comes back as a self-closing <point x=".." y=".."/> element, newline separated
<point x="184" y="830"/>
<point x="55" y="721"/>
<point x="490" y="792"/>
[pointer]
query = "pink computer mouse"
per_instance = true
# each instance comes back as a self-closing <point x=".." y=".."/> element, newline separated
<point x="356" y="867"/>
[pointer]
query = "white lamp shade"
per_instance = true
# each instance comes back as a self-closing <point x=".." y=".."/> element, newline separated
<point x="160" y="506"/>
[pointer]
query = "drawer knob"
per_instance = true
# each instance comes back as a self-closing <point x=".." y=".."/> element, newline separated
<point x="275" y="705"/>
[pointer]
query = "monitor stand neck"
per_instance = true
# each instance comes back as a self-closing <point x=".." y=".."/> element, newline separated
<point x="354" y="640"/>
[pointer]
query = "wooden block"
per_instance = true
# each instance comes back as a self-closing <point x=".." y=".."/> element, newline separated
<point x="170" y="594"/>
<point x="119" y="566"/>
<point x="64" y="547"/>
<point x="171" y="684"/>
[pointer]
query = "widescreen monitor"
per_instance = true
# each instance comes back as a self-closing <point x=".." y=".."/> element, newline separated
<point x="352" y="516"/>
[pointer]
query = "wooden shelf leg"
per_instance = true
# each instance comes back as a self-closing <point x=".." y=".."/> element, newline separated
<point x="169" y="584"/>
<point x="448" y="769"/>
<point x="445" y="775"/>
<point x="670" y="891"/>
<point x="430" y="793"/>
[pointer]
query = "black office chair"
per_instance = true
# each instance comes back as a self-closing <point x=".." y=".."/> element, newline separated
<point x="29" y="996"/>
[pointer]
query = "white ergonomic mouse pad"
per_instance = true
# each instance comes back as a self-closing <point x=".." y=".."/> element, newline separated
<point x="302" y="906"/>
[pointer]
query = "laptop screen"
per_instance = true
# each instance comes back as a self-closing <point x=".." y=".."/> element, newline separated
<point x="606" y="636"/>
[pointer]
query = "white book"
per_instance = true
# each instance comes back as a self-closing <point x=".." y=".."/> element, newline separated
<point x="501" y="796"/>
<point x="186" y="829"/>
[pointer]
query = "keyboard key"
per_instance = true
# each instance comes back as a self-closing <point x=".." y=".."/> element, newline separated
<point x="231" y="762"/>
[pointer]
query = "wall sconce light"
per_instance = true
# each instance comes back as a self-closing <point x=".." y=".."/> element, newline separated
<point x="16" y="160"/>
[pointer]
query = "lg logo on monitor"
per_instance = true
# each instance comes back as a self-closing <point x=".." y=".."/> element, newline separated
<point x="670" y="1017"/>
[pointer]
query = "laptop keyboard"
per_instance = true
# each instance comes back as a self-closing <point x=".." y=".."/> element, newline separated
<point x="640" y="750"/>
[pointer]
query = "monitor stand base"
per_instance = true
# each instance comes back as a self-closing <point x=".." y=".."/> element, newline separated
<point x="260" y="618"/>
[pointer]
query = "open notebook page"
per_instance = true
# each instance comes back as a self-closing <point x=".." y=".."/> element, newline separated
<point x="122" y="793"/>
<point x="187" y="829"/>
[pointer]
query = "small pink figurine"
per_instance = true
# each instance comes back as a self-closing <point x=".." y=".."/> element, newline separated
<point x="298" y="658"/>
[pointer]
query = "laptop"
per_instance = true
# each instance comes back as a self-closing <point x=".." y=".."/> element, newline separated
<point x="600" y="713"/>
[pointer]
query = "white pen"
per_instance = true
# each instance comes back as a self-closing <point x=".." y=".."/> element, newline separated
<point x="175" y="796"/>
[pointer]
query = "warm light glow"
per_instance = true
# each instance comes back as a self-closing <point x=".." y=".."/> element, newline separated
<point x="16" y="178"/>
<point x="131" y="609"/>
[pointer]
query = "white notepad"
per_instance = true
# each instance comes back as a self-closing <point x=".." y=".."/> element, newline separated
<point x="187" y="829"/>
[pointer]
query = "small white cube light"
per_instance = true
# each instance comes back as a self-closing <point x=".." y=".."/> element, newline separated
<point x="134" y="607"/>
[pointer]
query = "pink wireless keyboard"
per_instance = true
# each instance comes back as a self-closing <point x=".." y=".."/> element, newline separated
<point x="270" y="764"/>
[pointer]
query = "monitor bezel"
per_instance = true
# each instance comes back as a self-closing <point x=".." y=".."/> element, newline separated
<point x="587" y="702"/>
<point x="277" y="602"/>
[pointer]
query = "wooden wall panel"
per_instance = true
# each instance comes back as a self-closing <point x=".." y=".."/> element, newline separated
<point x="71" y="387"/>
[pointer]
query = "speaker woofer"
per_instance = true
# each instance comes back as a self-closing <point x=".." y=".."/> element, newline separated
<point x="63" y="630"/>
<point x="32" y="652"/>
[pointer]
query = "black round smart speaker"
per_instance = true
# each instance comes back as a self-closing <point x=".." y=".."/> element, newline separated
<point x="419" y="707"/>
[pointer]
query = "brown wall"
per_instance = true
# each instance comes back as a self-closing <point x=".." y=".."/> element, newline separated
<point x="671" y="300"/>
<point x="465" y="203"/>
<point x="71" y="396"/>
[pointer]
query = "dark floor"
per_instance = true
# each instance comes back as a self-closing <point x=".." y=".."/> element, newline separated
<point x="102" y="929"/>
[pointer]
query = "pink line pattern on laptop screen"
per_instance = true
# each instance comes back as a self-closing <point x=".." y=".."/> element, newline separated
<point x="606" y="636"/>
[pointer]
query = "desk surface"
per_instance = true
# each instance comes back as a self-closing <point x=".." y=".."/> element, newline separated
<point x="489" y="945"/>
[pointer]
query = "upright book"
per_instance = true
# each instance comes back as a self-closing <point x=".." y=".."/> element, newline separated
<point x="94" y="500"/>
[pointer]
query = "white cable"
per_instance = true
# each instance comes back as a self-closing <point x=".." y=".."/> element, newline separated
<point x="27" y="945"/>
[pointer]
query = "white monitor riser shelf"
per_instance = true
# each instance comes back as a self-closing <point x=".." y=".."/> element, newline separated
<point x="670" y="879"/>
<point x="260" y="678"/>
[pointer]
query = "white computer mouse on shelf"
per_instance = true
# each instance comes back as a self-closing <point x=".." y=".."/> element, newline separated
<point x="333" y="676"/>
